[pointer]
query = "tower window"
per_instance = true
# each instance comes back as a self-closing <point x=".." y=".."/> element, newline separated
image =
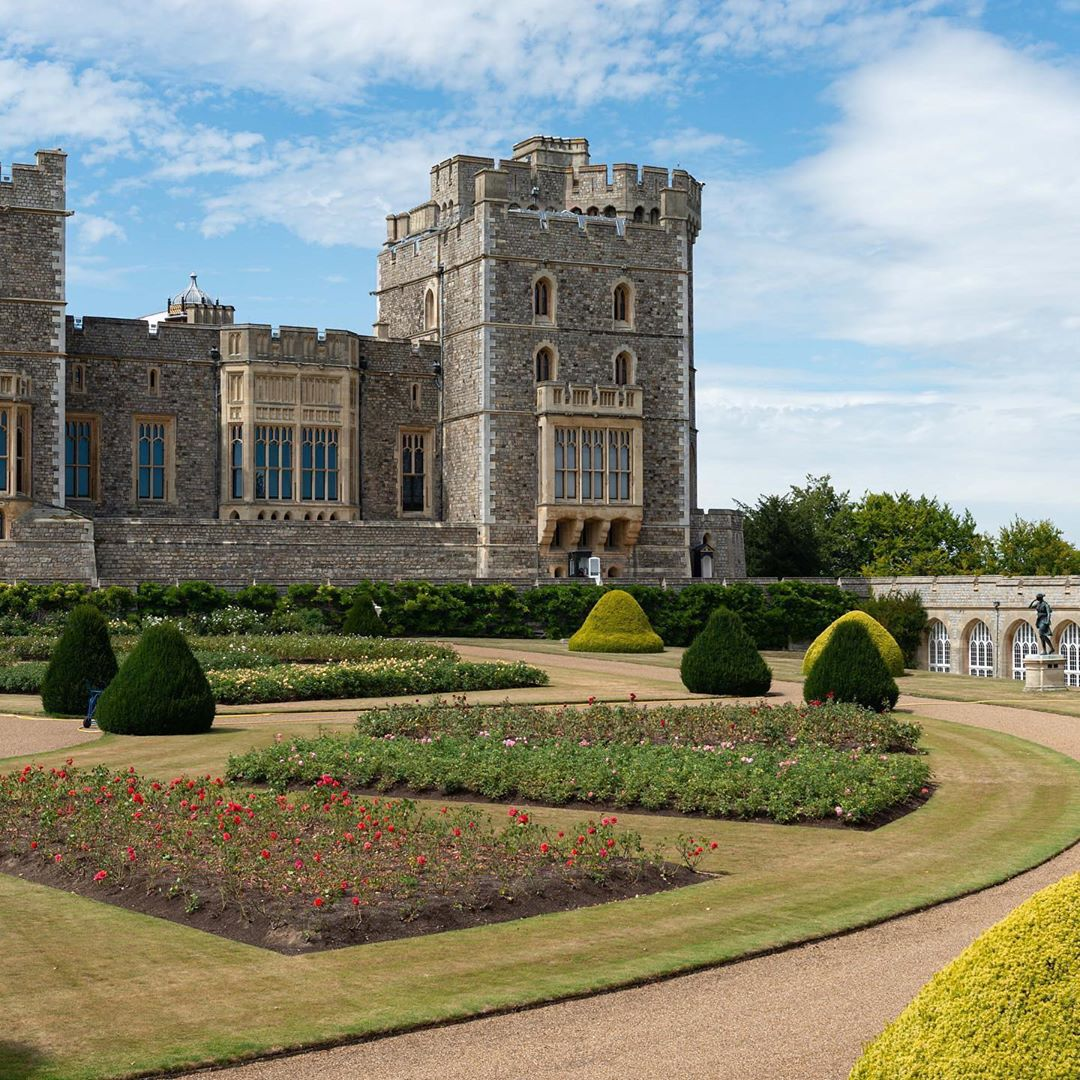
<point x="430" y="314"/>
<point x="622" y="304"/>
<point x="624" y="369"/>
<point x="414" y="472"/>
<point x="80" y="447"/>
<point x="236" y="460"/>
<point x="152" y="453"/>
<point x="273" y="462"/>
<point x="543" y="299"/>
<point x="153" y="380"/>
<point x="545" y="365"/>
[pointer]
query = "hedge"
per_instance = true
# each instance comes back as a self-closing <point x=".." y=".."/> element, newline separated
<point x="776" y="614"/>
<point x="1004" y="1009"/>
<point x="723" y="659"/>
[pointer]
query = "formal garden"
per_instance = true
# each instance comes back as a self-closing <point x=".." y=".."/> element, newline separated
<point x="445" y="810"/>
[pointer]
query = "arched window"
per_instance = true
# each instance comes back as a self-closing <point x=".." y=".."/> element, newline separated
<point x="938" y="647"/>
<point x="514" y="206"/>
<point x="1069" y="647"/>
<point x="545" y="365"/>
<point x="575" y="210"/>
<point x="593" y="211"/>
<point x="981" y="652"/>
<point x="622" y="304"/>
<point x="430" y="318"/>
<point x="1025" y="643"/>
<point x="609" y="211"/>
<point x="654" y="216"/>
<point x="544" y="299"/>
<point x="624" y="369"/>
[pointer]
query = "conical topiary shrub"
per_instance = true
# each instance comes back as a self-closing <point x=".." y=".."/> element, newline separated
<point x="886" y="644"/>
<point x="616" y="624"/>
<point x="83" y="660"/>
<point x="160" y="690"/>
<point x="363" y="620"/>
<point x="723" y="659"/>
<point x="850" y="668"/>
<point x="1005" y="1007"/>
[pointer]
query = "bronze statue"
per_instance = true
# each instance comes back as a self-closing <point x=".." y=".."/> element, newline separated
<point x="1043" y="611"/>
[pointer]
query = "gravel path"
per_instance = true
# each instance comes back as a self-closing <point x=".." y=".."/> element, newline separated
<point x="803" y="1014"/>
<point x="35" y="735"/>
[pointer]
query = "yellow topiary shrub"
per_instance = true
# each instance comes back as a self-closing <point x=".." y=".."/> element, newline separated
<point x="891" y="653"/>
<point x="1004" y="1009"/>
<point x="616" y="624"/>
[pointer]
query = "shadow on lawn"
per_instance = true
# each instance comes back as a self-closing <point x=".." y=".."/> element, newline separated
<point x="20" y="1062"/>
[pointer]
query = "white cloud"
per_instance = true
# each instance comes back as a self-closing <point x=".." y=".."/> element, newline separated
<point x="91" y="229"/>
<point x="341" y="195"/>
<point x="43" y="102"/>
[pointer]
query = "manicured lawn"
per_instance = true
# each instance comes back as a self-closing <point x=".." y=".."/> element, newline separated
<point x="96" y="991"/>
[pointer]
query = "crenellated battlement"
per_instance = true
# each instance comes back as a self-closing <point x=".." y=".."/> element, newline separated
<point x="552" y="174"/>
<point x="36" y="187"/>
<point x="296" y="344"/>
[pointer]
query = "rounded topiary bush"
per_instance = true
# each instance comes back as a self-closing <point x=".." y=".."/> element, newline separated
<point x="363" y="620"/>
<point x="723" y="659"/>
<point x="1005" y="1007"/>
<point x="83" y="660"/>
<point x="160" y="690"/>
<point x="850" y="668"/>
<point x="616" y="624"/>
<point x="886" y="644"/>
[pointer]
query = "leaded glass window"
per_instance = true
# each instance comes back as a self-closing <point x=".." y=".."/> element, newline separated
<point x="566" y="463"/>
<point x="938" y="647"/>
<point x="413" y="464"/>
<point x="5" y="421"/>
<point x="1069" y="647"/>
<point x="592" y="463"/>
<point x="78" y="458"/>
<point x="319" y="464"/>
<point x="151" y="450"/>
<point x="618" y="466"/>
<point x="236" y="460"/>
<point x="624" y="369"/>
<point x="981" y="652"/>
<point x="273" y="462"/>
<point x="1025" y="643"/>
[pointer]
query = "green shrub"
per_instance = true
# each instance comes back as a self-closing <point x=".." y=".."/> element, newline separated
<point x="904" y="616"/>
<point x="1004" y="1008"/>
<point x="363" y="620"/>
<point x="723" y="659"/>
<point x="850" y="668"/>
<point x="83" y="660"/>
<point x="160" y="690"/>
<point x="885" y="643"/>
<point x="616" y="624"/>
<point x="23" y="678"/>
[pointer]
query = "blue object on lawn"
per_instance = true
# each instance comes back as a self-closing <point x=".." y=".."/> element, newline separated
<point x="90" y="707"/>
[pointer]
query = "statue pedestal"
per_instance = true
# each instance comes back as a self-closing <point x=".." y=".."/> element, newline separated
<point x="1044" y="672"/>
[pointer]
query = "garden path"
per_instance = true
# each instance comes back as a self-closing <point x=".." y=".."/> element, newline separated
<point x="801" y="1014"/>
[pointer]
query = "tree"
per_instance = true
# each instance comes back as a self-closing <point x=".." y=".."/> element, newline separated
<point x="83" y="660"/>
<point x="616" y="624"/>
<point x="850" y="668"/>
<point x="1034" y="547"/>
<point x="904" y="616"/>
<point x="160" y="690"/>
<point x="903" y="535"/>
<point x="807" y="532"/>
<point x="723" y="659"/>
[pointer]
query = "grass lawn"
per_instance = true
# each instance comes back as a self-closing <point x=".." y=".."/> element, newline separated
<point x="94" y="991"/>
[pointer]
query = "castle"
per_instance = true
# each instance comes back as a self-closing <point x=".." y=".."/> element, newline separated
<point x="526" y="399"/>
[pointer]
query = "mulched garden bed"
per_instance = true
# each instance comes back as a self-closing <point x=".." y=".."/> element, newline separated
<point x="293" y="929"/>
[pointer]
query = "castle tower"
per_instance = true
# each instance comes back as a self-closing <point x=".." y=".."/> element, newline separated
<point x="32" y="336"/>
<point x="560" y="294"/>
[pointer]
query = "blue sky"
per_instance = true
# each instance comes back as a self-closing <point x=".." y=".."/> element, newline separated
<point x="888" y="275"/>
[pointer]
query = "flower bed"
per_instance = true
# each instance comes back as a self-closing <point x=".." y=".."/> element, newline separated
<point x="560" y="757"/>
<point x="830" y="723"/>
<point x="299" y="667"/>
<point x="376" y="678"/>
<point x="311" y="870"/>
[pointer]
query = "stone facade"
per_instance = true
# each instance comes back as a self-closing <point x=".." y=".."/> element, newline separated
<point x="527" y="398"/>
<point x="984" y="626"/>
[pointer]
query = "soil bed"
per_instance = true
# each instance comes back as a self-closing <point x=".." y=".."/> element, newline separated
<point x="295" y="928"/>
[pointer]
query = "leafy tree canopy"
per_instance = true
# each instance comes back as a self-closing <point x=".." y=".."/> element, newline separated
<point x="1034" y="547"/>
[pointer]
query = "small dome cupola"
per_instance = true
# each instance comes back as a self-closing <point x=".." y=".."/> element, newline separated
<point x="193" y="305"/>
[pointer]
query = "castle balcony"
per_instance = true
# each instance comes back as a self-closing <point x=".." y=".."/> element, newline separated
<point x="595" y="400"/>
